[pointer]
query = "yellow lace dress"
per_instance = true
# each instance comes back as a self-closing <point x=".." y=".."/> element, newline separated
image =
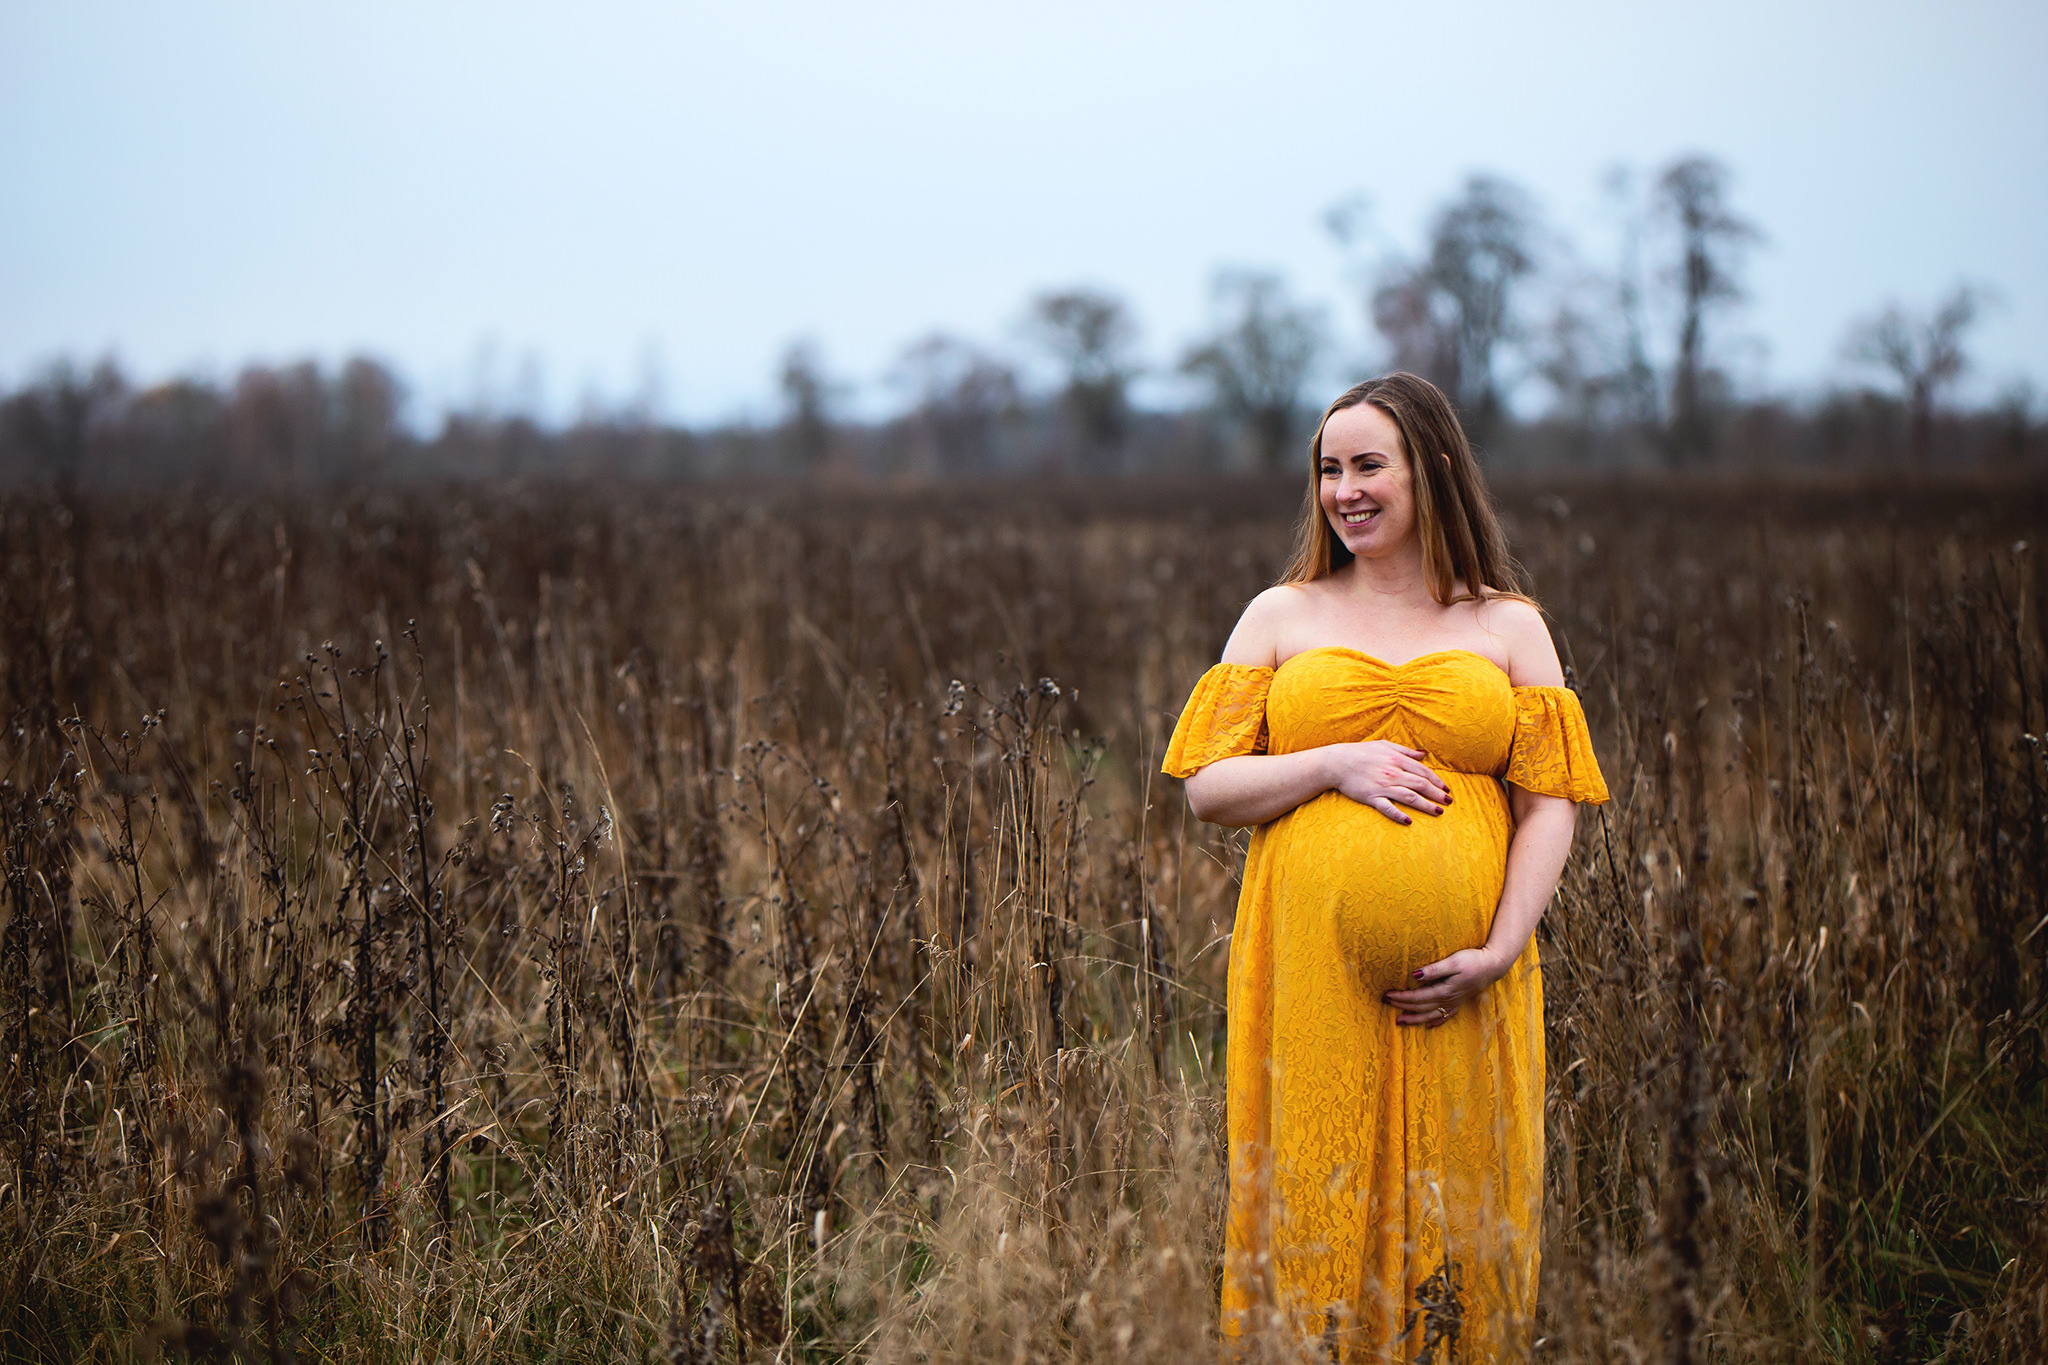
<point x="1386" y="1183"/>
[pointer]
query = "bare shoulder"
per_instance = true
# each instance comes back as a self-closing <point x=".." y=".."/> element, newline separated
<point x="1519" y="625"/>
<point x="1256" y="641"/>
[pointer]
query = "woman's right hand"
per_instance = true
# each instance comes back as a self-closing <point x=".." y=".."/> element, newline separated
<point x="1387" y="776"/>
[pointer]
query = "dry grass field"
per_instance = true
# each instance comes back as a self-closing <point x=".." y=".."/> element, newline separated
<point x="569" y="923"/>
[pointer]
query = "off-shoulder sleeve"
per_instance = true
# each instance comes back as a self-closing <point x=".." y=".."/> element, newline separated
<point x="1553" y="753"/>
<point x="1225" y="716"/>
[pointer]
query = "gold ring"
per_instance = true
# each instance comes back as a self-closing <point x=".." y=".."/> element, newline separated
<point x="1442" y="1013"/>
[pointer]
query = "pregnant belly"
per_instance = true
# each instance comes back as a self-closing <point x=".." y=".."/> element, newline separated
<point x="1389" y="898"/>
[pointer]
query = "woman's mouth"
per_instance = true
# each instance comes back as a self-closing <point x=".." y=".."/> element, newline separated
<point x="1360" y="518"/>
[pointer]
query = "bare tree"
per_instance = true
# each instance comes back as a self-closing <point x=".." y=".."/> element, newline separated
<point x="365" y="404"/>
<point x="1090" y="333"/>
<point x="962" y="395"/>
<point x="1691" y="197"/>
<point x="296" y="424"/>
<point x="1635" y="382"/>
<point x="1409" y="311"/>
<point x="1574" y="352"/>
<point x="806" y="436"/>
<point x="1480" y="249"/>
<point x="277" y="423"/>
<point x="289" y="424"/>
<point x="2015" y="423"/>
<point x="1259" y="358"/>
<point x="1924" y="354"/>
<point x="175" y="430"/>
<point x="49" y="421"/>
<point x="1448" y="315"/>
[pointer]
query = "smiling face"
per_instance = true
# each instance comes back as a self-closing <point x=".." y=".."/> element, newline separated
<point x="1366" y="483"/>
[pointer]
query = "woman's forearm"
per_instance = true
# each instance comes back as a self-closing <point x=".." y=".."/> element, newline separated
<point x="1536" y="858"/>
<point x="1251" y="789"/>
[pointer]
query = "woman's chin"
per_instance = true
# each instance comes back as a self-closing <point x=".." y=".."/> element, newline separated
<point x="1371" y="543"/>
<point x="1365" y="546"/>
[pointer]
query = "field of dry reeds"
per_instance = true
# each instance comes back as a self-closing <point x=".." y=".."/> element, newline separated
<point x="564" y="923"/>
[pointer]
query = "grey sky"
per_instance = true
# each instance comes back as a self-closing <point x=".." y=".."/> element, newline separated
<point x="611" y="190"/>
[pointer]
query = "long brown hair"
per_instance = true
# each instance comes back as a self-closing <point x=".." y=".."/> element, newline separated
<point x="1461" y="537"/>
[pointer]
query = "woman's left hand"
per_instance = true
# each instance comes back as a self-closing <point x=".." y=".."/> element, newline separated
<point x="1442" y="987"/>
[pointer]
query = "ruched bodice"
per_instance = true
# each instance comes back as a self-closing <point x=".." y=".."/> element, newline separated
<point x="1365" y="1157"/>
<point x="1454" y="705"/>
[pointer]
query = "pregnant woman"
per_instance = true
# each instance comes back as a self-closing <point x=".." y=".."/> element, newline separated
<point x="1393" y="720"/>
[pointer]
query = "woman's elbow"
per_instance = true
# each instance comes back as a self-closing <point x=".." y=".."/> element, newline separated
<point x="1205" y="801"/>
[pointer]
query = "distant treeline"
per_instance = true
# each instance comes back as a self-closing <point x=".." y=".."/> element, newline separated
<point x="1632" y="360"/>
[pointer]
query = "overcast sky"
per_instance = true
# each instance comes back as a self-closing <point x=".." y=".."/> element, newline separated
<point x="596" y="200"/>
